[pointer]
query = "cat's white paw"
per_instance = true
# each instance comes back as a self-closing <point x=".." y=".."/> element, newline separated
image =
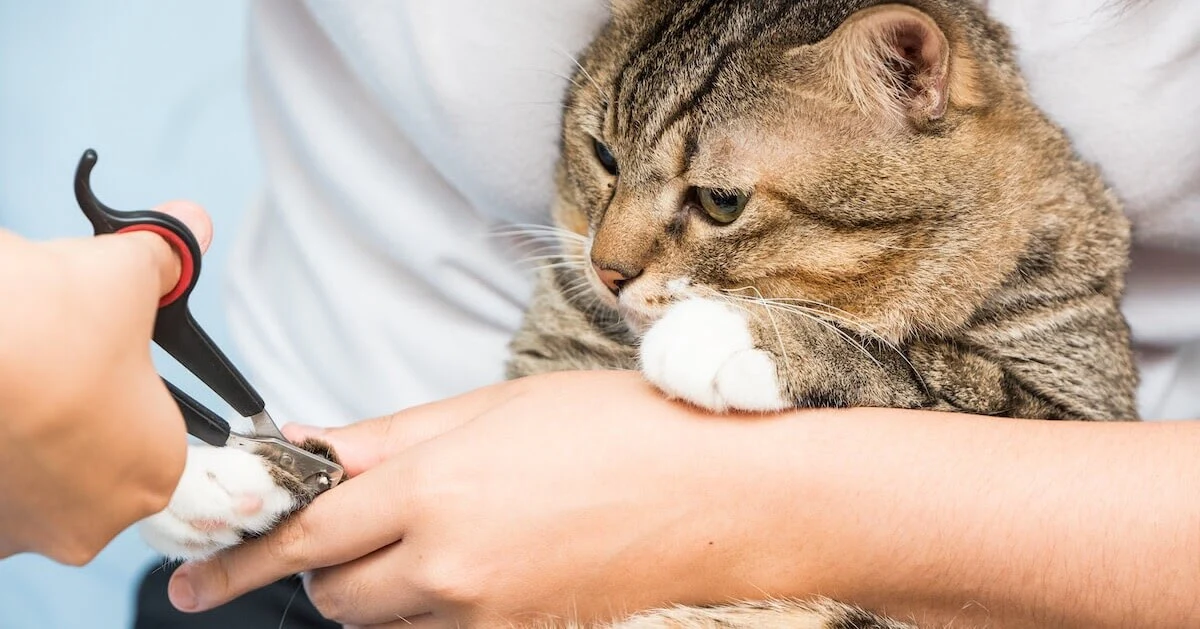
<point x="224" y="493"/>
<point x="702" y="351"/>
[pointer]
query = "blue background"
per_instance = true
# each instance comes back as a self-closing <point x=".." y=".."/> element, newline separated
<point x="156" y="87"/>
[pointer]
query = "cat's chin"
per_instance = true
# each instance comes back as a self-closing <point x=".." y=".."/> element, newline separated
<point x="637" y="322"/>
<point x="636" y="318"/>
<point x="640" y="308"/>
<point x="640" y="320"/>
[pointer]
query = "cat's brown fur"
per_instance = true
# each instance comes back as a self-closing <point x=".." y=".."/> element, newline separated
<point x="905" y="190"/>
<point x="978" y="243"/>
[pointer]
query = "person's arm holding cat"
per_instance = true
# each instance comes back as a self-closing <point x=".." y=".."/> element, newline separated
<point x="90" y="439"/>
<point x="589" y="495"/>
<point x="581" y="494"/>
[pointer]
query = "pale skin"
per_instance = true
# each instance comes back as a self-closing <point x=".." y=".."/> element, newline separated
<point x="587" y="495"/>
<point x="90" y="439"/>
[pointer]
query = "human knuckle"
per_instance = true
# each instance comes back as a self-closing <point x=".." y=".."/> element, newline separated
<point x="286" y="544"/>
<point x="321" y="596"/>
<point x="449" y="580"/>
<point x="77" y="547"/>
<point x="335" y="596"/>
<point x="76" y="555"/>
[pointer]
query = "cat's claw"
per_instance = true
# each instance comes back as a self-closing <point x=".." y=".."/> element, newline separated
<point x="703" y="352"/>
<point x="224" y="493"/>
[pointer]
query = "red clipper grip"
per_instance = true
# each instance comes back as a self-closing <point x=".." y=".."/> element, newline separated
<point x="187" y="264"/>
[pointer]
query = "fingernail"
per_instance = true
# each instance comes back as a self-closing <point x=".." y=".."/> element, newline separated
<point x="180" y="591"/>
<point x="193" y="216"/>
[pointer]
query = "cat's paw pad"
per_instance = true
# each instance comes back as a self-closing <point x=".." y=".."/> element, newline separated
<point x="223" y="495"/>
<point x="703" y="352"/>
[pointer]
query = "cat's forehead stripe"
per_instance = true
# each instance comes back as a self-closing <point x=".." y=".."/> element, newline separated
<point x="674" y="67"/>
<point x="683" y="55"/>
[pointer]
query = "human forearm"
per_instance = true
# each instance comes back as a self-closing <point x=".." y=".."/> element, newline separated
<point x="616" y="499"/>
<point x="1015" y="523"/>
<point x="90" y="441"/>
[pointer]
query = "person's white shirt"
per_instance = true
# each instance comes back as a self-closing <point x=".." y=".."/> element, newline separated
<point x="397" y="136"/>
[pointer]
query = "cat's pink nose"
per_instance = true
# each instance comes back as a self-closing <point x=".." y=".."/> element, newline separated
<point x="612" y="278"/>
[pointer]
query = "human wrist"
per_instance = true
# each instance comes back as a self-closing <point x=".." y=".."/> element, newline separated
<point x="825" y="508"/>
<point x="774" y="496"/>
<point x="957" y="519"/>
<point x="861" y="511"/>
<point x="751" y="523"/>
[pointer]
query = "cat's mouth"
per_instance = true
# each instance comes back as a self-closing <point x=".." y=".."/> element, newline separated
<point x="644" y="301"/>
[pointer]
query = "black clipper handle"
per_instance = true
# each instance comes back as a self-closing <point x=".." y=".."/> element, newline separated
<point x="201" y="422"/>
<point x="174" y="328"/>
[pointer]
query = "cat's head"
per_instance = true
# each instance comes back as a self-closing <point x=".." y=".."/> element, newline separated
<point x="882" y="159"/>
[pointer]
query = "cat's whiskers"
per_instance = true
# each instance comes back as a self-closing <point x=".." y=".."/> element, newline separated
<point x="612" y="320"/>
<point x="548" y="247"/>
<point x="732" y="300"/>
<point x="547" y="253"/>
<point x="536" y="231"/>
<point x="829" y="310"/>
<point x="775" y="324"/>
<point x="576" y="288"/>
<point x="813" y="315"/>
<point x="548" y="260"/>
<point x="846" y="318"/>
<point x="579" y="287"/>
<point x="564" y="266"/>
<point x="590" y="78"/>
<point x="561" y="76"/>
<point x="577" y="260"/>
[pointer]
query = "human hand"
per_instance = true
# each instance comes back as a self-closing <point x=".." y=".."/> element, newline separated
<point x="549" y="495"/>
<point x="586" y="496"/>
<point x="91" y="440"/>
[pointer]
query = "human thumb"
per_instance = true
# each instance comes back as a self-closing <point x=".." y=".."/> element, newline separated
<point x="358" y="447"/>
<point x="192" y="215"/>
<point x="363" y="445"/>
<point x="197" y="221"/>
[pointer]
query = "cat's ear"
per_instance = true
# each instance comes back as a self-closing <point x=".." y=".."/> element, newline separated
<point x="894" y="58"/>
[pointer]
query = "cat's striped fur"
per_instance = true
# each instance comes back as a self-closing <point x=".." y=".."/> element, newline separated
<point x="918" y="233"/>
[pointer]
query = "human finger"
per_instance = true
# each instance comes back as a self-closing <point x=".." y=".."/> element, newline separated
<point x="372" y="590"/>
<point x="313" y="538"/>
<point x="146" y="260"/>
<point x="192" y="215"/>
<point x="197" y="221"/>
<point x="425" y="621"/>
<point x="366" y="444"/>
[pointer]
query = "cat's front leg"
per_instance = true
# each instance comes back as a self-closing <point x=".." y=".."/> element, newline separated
<point x="751" y="358"/>
<point x="705" y="352"/>
<point x="224" y="496"/>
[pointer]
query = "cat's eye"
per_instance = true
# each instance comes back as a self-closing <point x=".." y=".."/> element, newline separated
<point x="723" y="206"/>
<point x="606" y="157"/>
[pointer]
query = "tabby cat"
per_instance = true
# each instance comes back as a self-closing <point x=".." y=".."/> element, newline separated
<point x="768" y="204"/>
